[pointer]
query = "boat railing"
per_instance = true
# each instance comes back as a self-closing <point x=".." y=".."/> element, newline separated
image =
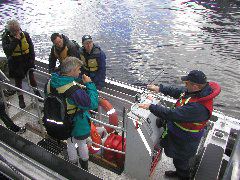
<point x="35" y="104"/>
<point x="233" y="167"/>
<point x="38" y="72"/>
<point x="39" y="116"/>
<point x="100" y="114"/>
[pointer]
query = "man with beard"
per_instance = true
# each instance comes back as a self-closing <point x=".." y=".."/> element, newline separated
<point x="62" y="48"/>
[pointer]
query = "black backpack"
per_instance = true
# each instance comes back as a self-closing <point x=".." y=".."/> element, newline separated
<point x="57" y="121"/>
<point x="76" y="44"/>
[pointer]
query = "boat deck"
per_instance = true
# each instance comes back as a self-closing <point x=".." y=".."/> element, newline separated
<point x="33" y="127"/>
<point x="223" y="130"/>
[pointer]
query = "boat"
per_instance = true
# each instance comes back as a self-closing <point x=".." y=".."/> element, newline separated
<point x="130" y="151"/>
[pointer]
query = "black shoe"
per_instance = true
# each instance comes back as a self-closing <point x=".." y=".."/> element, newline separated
<point x="36" y="92"/>
<point x="174" y="174"/>
<point x="84" y="164"/>
<point x="21" y="130"/>
<point x="21" y="102"/>
<point x="171" y="174"/>
<point x="9" y="92"/>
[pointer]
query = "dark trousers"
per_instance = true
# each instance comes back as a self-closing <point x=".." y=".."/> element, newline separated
<point x="181" y="151"/>
<point x="6" y="120"/>
<point x="33" y="83"/>
<point x="182" y="167"/>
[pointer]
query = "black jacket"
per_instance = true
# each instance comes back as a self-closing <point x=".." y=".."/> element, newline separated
<point x="73" y="50"/>
<point x="18" y="65"/>
<point x="9" y="43"/>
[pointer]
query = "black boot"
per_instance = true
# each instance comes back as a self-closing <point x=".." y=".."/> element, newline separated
<point x="174" y="174"/>
<point x="36" y="92"/>
<point x="84" y="164"/>
<point x="9" y="92"/>
<point x="171" y="174"/>
<point x="76" y="163"/>
<point x="21" y="101"/>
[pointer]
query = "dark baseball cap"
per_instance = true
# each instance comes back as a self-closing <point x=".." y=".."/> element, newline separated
<point x="195" y="76"/>
<point x="86" y="38"/>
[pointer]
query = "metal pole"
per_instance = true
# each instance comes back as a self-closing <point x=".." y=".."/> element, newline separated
<point x="156" y="76"/>
<point x="4" y="100"/>
<point x="124" y="114"/>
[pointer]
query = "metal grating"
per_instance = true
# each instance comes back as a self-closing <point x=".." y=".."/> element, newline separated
<point x="210" y="165"/>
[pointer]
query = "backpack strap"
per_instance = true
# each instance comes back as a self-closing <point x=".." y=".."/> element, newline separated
<point x="70" y="91"/>
<point x="53" y="90"/>
<point x="67" y="93"/>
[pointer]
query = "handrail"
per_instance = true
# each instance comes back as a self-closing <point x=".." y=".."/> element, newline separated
<point x="100" y="122"/>
<point x="106" y="124"/>
<point x="41" y="73"/>
<point x="110" y="149"/>
<point x="121" y="99"/>
<point x="31" y="95"/>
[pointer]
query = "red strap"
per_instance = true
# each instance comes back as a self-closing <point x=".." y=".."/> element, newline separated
<point x="137" y="125"/>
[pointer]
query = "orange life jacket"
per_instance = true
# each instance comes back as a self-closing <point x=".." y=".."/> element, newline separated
<point x="206" y="101"/>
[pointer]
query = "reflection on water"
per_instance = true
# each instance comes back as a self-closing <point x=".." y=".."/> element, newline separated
<point x="142" y="38"/>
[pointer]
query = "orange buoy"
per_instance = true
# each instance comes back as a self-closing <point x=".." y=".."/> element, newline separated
<point x="95" y="131"/>
<point x="96" y="138"/>
<point x="111" y="112"/>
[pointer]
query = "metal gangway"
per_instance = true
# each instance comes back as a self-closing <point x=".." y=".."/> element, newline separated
<point x="22" y="159"/>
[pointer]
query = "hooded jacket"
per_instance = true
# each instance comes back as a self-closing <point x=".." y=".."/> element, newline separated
<point x="85" y="100"/>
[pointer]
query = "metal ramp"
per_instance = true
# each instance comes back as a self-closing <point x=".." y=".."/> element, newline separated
<point x="55" y="147"/>
<point x="51" y="164"/>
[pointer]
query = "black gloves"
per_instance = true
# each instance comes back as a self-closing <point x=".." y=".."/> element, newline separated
<point x="160" y="122"/>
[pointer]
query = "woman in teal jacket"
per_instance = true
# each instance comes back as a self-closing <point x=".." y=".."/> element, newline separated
<point x="84" y="100"/>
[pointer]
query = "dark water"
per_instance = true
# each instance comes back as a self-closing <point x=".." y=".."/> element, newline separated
<point x="141" y="38"/>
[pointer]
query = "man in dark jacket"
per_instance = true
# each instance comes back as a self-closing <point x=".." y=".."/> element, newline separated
<point x="62" y="48"/>
<point x="19" y="49"/>
<point x="94" y="60"/>
<point x="187" y="120"/>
